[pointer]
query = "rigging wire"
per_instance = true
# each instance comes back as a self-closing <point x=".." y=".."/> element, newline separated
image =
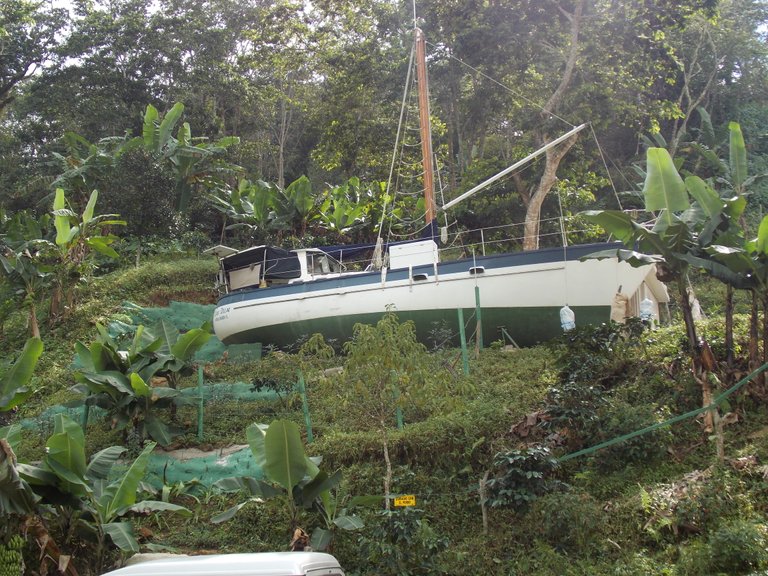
<point x="507" y="88"/>
<point x="605" y="165"/>
<point x="397" y="138"/>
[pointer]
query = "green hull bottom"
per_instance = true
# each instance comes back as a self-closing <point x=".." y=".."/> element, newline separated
<point x="526" y="326"/>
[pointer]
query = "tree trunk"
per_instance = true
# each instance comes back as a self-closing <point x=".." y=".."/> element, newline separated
<point x="553" y="157"/>
<point x="534" y="203"/>
<point x="388" y="464"/>
<point x="699" y="373"/>
<point x="729" y="331"/>
<point x="34" y="325"/>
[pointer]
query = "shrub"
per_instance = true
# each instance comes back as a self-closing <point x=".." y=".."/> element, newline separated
<point x="569" y="522"/>
<point x="694" y="504"/>
<point x="521" y="476"/>
<point x="739" y="547"/>
<point x="622" y="418"/>
<point x="401" y="542"/>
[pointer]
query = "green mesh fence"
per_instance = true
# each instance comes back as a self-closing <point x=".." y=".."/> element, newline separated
<point x="206" y="467"/>
<point x="189" y="464"/>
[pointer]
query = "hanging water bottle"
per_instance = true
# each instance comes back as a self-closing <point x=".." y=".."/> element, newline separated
<point x="567" y="318"/>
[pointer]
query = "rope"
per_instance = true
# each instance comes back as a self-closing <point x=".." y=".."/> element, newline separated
<point x="712" y="406"/>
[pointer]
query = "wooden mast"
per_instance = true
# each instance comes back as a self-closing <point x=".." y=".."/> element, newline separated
<point x="424" y="125"/>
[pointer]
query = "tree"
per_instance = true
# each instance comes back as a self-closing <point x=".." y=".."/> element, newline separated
<point x="384" y="371"/>
<point x="28" y="37"/>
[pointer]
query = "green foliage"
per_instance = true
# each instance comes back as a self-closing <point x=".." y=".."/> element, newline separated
<point x="622" y="418"/>
<point x="279" y="453"/>
<point x="117" y="375"/>
<point x="735" y="547"/>
<point x="696" y="503"/>
<point x="522" y="476"/>
<point x="99" y="501"/>
<point x="402" y="542"/>
<point x="15" y="379"/>
<point x="569" y="522"/>
<point x="384" y="370"/>
<point x="592" y="353"/>
<point x="739" y="547"/>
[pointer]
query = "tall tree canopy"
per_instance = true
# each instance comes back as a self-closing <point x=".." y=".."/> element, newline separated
<point x="314" y="88"/>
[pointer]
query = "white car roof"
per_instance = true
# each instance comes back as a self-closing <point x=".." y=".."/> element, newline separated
<point x="252" y="564"/>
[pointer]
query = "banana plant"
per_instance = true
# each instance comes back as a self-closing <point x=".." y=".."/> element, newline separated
<point x="691" y="217"/>
<point x="192" y="162"/>
<point x="344" y="207"/>
<point x="14" y="384"/>
<point x="103" y="495"/>
<point x="120" y="378"/>
<point x="279" y="452"/>
<point x="15" y="494"/>
<point x="78" y="237"/>
<point x="250" y="205"/>
<point x="25" y="260"/>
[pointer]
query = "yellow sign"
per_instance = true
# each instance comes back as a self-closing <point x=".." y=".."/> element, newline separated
<point x="405" y="500"/>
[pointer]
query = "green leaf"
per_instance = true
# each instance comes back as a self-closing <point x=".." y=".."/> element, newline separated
<point x="709" y="200"/>
<point x="61" y="222"/>
<point x="349" y="522"/>
<point x="255" y="434"/>
<point x="664" y="189"/>
<point x="149" y="130"/>
<point x="148" y="506"/>
<point x="738" y="156"/>
<point x="18" y="376"/>
<point x="189" y="343"/>
<point x="90" y="207"/>
<point x="230" y="513"/>
<point x="247" y="484"/>
<point x="65" y="453"/>
<point x="11" y="434"/>
<point x="37" y="476"/>
<point x="101" y="462"/>
<point x="762" y="237"/>
<point x="139" y="386"/>
<point x="122" y="535"/>
<point x="300" y="193"/>
<point x="286" y="461"/>
<point x="126" y="486"/>
<point x="100" y="245"/>
<point x="321" y="483"/>
<point x="16" y="496"/>
<point x="615" y="222"/>
<point x="321" y="539"/>
<point x="169" y="122"/>
<point x="158" y="430"/>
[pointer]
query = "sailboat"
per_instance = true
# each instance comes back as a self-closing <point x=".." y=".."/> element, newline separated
<point x="277" y="297"/>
